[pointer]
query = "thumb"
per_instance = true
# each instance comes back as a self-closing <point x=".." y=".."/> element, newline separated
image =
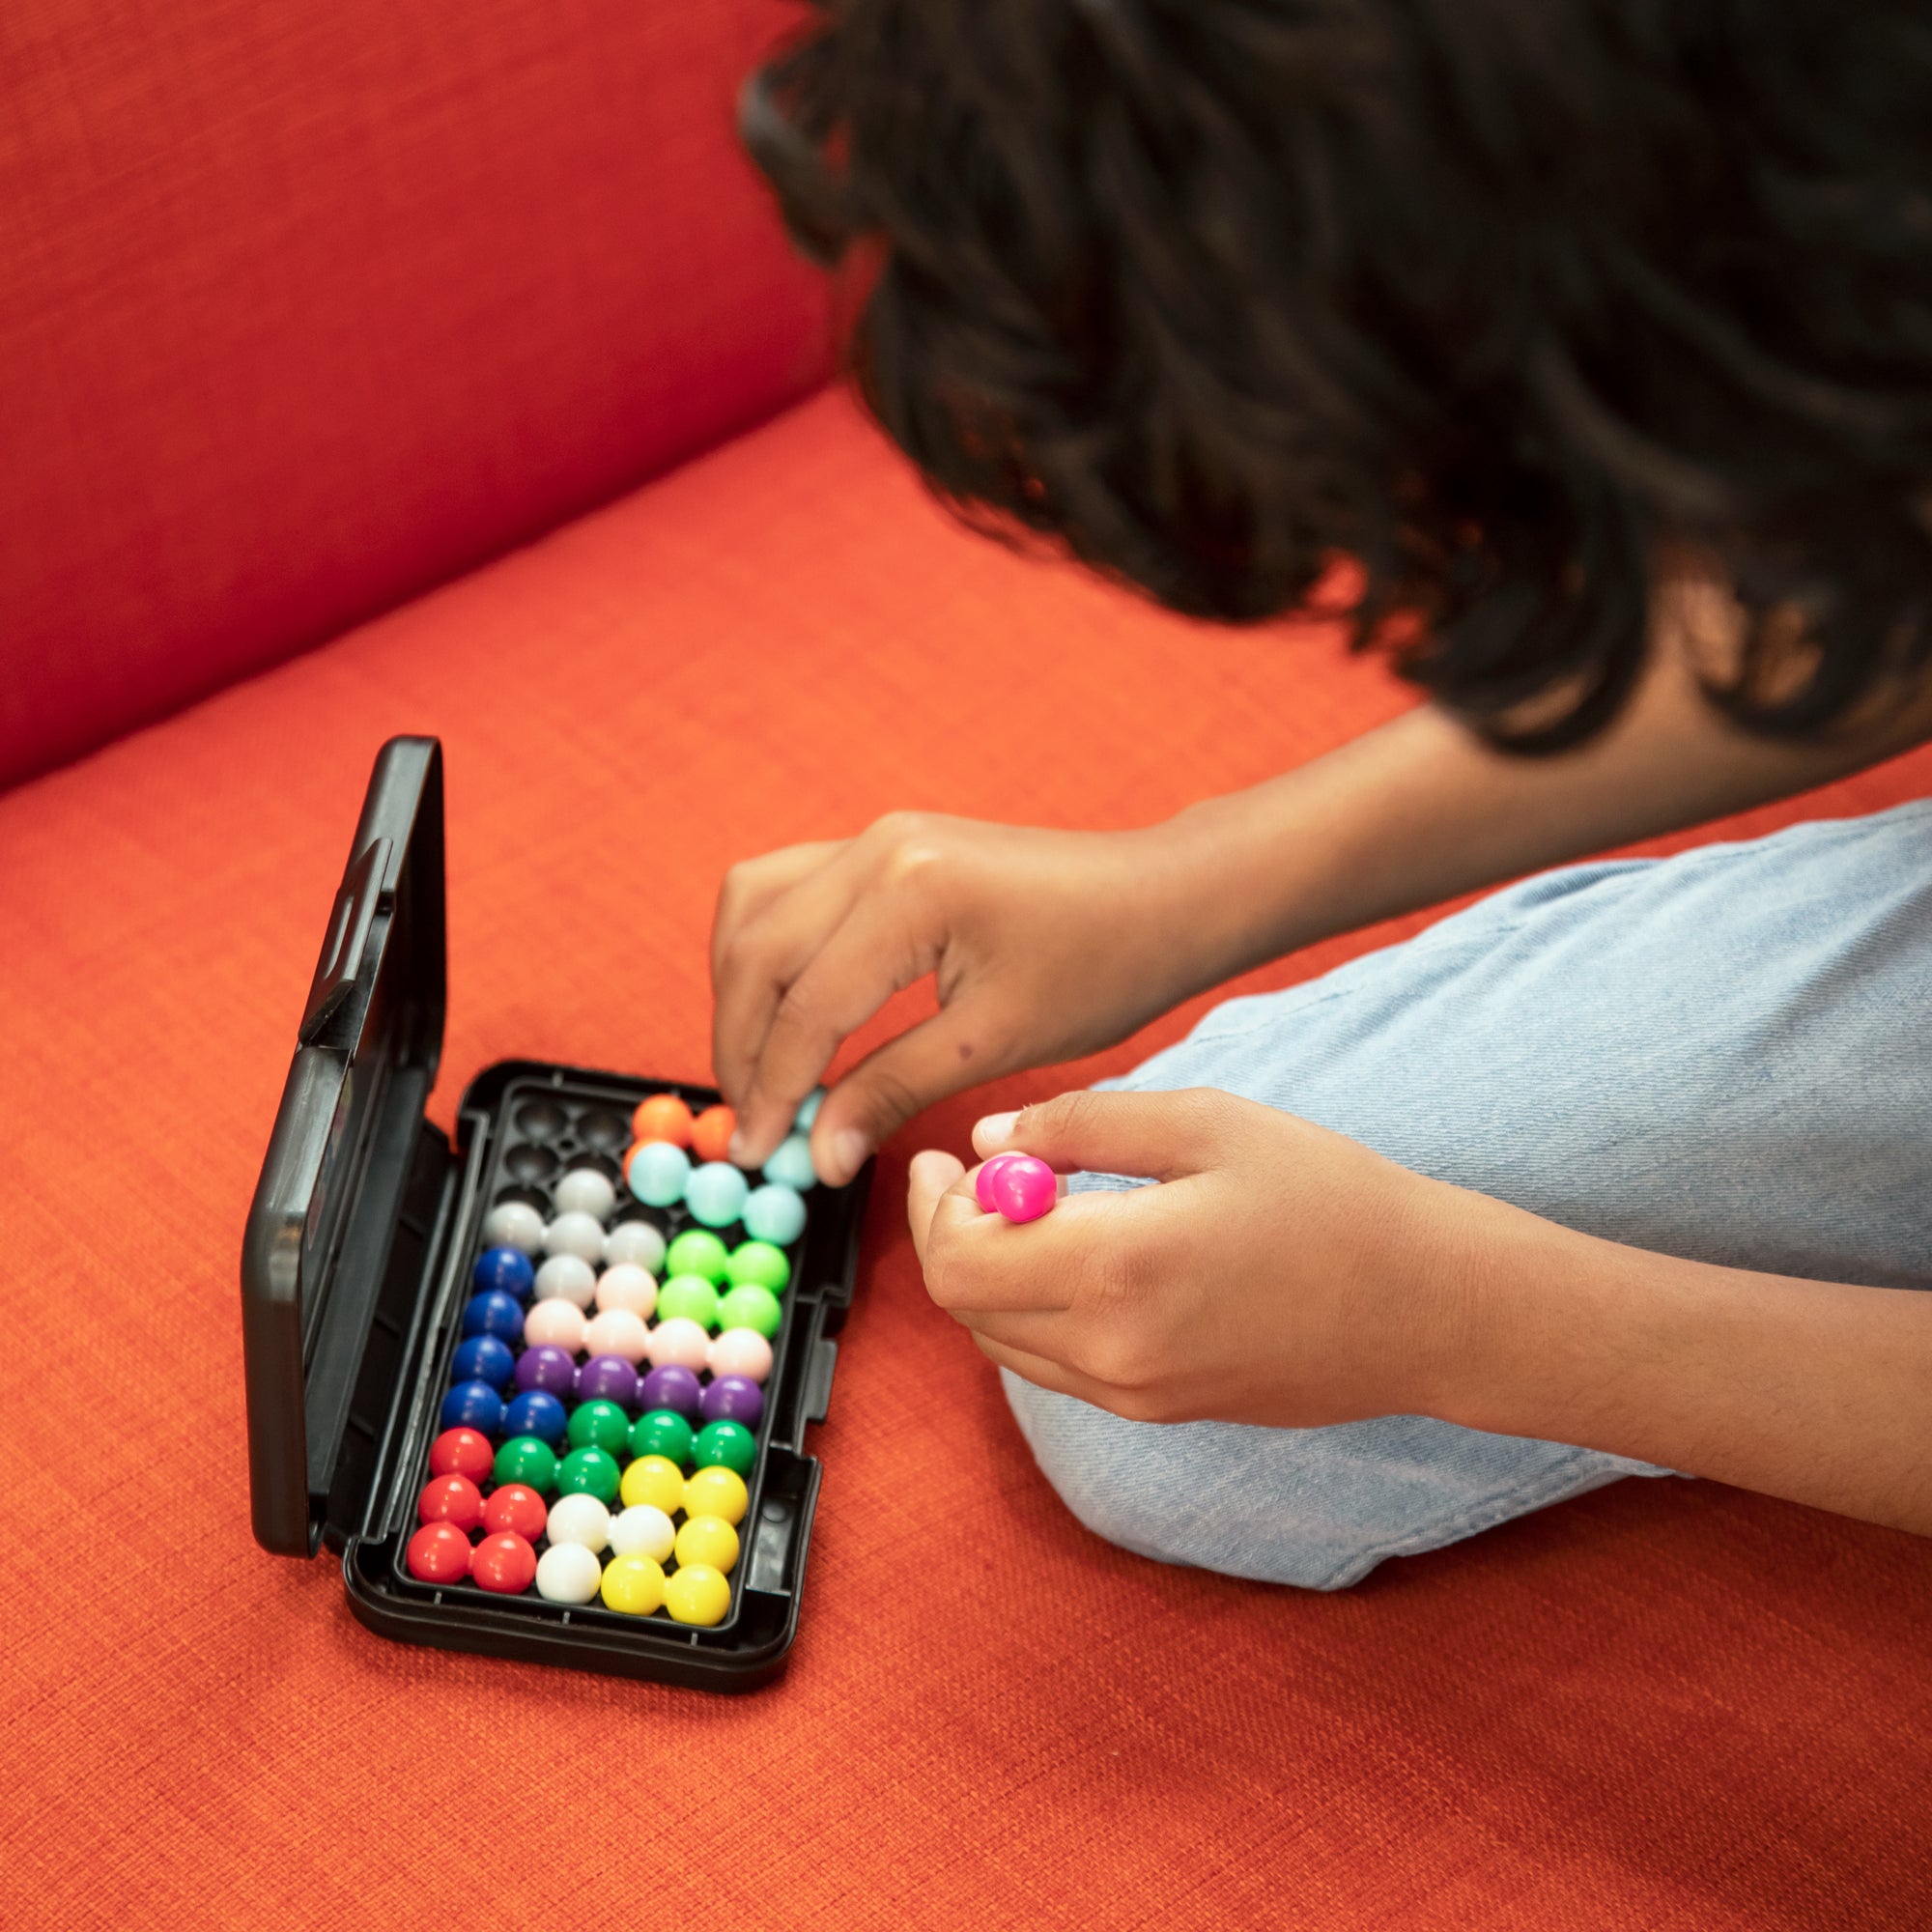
<point x="890" y="1086"/>
<point x="1161" y="1136"/>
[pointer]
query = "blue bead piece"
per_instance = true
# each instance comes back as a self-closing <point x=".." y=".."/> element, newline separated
<point x="504" y="1269"/>
<point x="473" y="1406"/>
<point x="792" y="1166"/>
<point x="537" y="1413"/>
<point x="658" y="1173"/>
<point x="775" y="1213"/>
<point x="483" y="1358"/>
<point x="716" y="1193"/>
<point x="808" y="1111"/>
<point x="493" y="1314"/>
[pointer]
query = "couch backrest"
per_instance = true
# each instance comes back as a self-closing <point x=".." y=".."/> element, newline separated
<point x="306" y="308"/>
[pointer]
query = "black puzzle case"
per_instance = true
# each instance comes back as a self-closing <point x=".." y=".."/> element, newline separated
<point x="365" y="1226"/>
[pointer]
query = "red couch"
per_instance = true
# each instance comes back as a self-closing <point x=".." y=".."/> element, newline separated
<point x="302" y="312"/>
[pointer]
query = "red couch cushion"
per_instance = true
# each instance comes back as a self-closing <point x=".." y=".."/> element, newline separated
<point x="1668" y="1705"/>
<point x="304" y="310"/>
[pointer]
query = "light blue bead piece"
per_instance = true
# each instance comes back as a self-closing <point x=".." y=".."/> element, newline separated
<point x="792" y="1166"/>
<point x="716" y="1193"/>
<point x="775" y="1214"/>
<point x="658" y="1173"/>
<point x="808" y="1111"/>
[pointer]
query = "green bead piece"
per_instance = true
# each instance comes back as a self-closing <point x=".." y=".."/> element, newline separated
<point x="689" y="1296"/>
<point x="758" y="1265"/>
<point x="750" y="1307"/>
<point x="589" y="1473"/>
<point x="599" y="1425"/>
<point x="697" y="1251"/>
<point x="525" y="1460"/>
<point x="729" y="1444"/>
<point x="662" y="1432"/>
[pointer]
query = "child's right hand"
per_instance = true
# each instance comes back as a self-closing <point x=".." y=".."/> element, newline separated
<point x="1046" y="944"/>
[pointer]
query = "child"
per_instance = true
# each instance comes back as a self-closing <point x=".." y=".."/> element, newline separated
<point x="1597" y="334"/>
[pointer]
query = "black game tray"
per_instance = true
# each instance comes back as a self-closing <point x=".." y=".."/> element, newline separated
<point x="356" y="1262"/>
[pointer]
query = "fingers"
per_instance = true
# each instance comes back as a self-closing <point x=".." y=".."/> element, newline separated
<point x="873" y="953"/>
<point x="1039" y="1369"/>
<point x="894" y="1082"/>
<point x="757" y="954"/>
<point x="978" y="1263"/>
<point x="930" y="1175"/>
<point x="1163" y="1136"/>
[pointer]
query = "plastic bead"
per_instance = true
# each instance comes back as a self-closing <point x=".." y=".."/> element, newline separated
<point x="670" y="1387"/>
<point x="493" y="1314"/>
<point x="506" y="1269"/>
<point x="711" y="1133"/>
<point x="653" y="1480"/>
<point x="791" y="1165"/>
<point x="725" y="1445"/>
<point x="742" y="1351"/>
<point x="548" y="1368"/>
<point x="619" y="1332"/>
<point x="680" y="1343"/>
<point x="1022" y="1187"/>
<point x="586" y="1190"/>
<point x="716" y="1193"/>
<point x="698" y="1594"/>
<point x="588" y="1472"/>
<point x="460" y="1452"/>
<point x="625" y="1284"/>
<point x="688" y="1298"/>
<point x="524" y="1460"/>
<point x="600" y="1425"/>
<point x="760" y="1264"/>
<point x="633" y="1584"/>
<point x="514" y="1224"/>
<point x="661" y="1431"/>
<point x="556" y="1324"/>
<point x="637" y="1242"/>
<point x="663" y="1117"/>
<point x="657" y="1171"/>
<point x="483" y="1358"/>
<point x="472" y="1405"/>
<point x="710" y="1540"/>
<point x="581" y="1519"/>
<point x="451" y="1499"/>
<point x="535" y="1412"/>
<point x="697" y="1251"/>
<point x="567" y="1573"/>
<point x="716" y="1491"/>
<point x="567" y="1278"/>
<point x="504" y="1563"/>
<point x="774" y="1213"/>
<point x="750" y="1307"/>
<point x="608" y="1378"/>
<point x="807" y="1117"/>
<point x="575" y="1234"/>
<point x="734" y="1399"/>
<point x="438" y="1552"/>
<point x="518" y="1507"/>
<point x="642" y="1530"/>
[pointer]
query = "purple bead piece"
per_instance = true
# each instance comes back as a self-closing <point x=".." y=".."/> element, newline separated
<point x="671" y="1387"/>
<point x="608" y="1378"/>
<point x="548" y="1368"/>
<point x="734" y="1399"/>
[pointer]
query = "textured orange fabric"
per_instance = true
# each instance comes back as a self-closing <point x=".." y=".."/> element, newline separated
<point x="304" y="308"/>
<point x="1666" y="1706"/>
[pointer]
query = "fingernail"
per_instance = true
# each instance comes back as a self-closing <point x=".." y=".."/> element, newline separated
<point x="849" y="1149"/>
<point x="996" y="1127"/>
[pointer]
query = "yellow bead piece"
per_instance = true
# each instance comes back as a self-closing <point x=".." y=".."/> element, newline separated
<point x="715" y="1491"/>
<point x="708" y="1540"/>
<point x="655" y="1480"/>
<point x="635" y="1585"/>
<point x="698" y="1595"/>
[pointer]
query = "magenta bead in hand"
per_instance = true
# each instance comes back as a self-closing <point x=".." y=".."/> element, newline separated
<point x="1021" y="1186"/>
<point x="982" y="1181"/>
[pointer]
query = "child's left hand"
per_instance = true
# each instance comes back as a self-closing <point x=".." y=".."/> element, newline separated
<point x="1278" y="1273"/>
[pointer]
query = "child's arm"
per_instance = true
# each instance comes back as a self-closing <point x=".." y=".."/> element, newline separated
<point x="1048" y="945"/>
<point x="1366" y="1289"/>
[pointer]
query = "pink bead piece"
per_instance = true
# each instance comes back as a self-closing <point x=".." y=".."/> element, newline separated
<point x="557" y="1322"/>
<point x="679" y="1343"/>
<point x="1024" y="1188"/>
<point x="618" y="1332"/>
<point x="982" y="1181"/>
<point x="742" y="1351"/>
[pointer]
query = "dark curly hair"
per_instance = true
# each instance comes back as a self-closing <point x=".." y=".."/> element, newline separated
<point x="1505" y="300"/>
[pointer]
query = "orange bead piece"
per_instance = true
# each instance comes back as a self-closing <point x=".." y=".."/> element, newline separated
<point x="663" y="1117"/>
<point x="711" y="1133"/>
